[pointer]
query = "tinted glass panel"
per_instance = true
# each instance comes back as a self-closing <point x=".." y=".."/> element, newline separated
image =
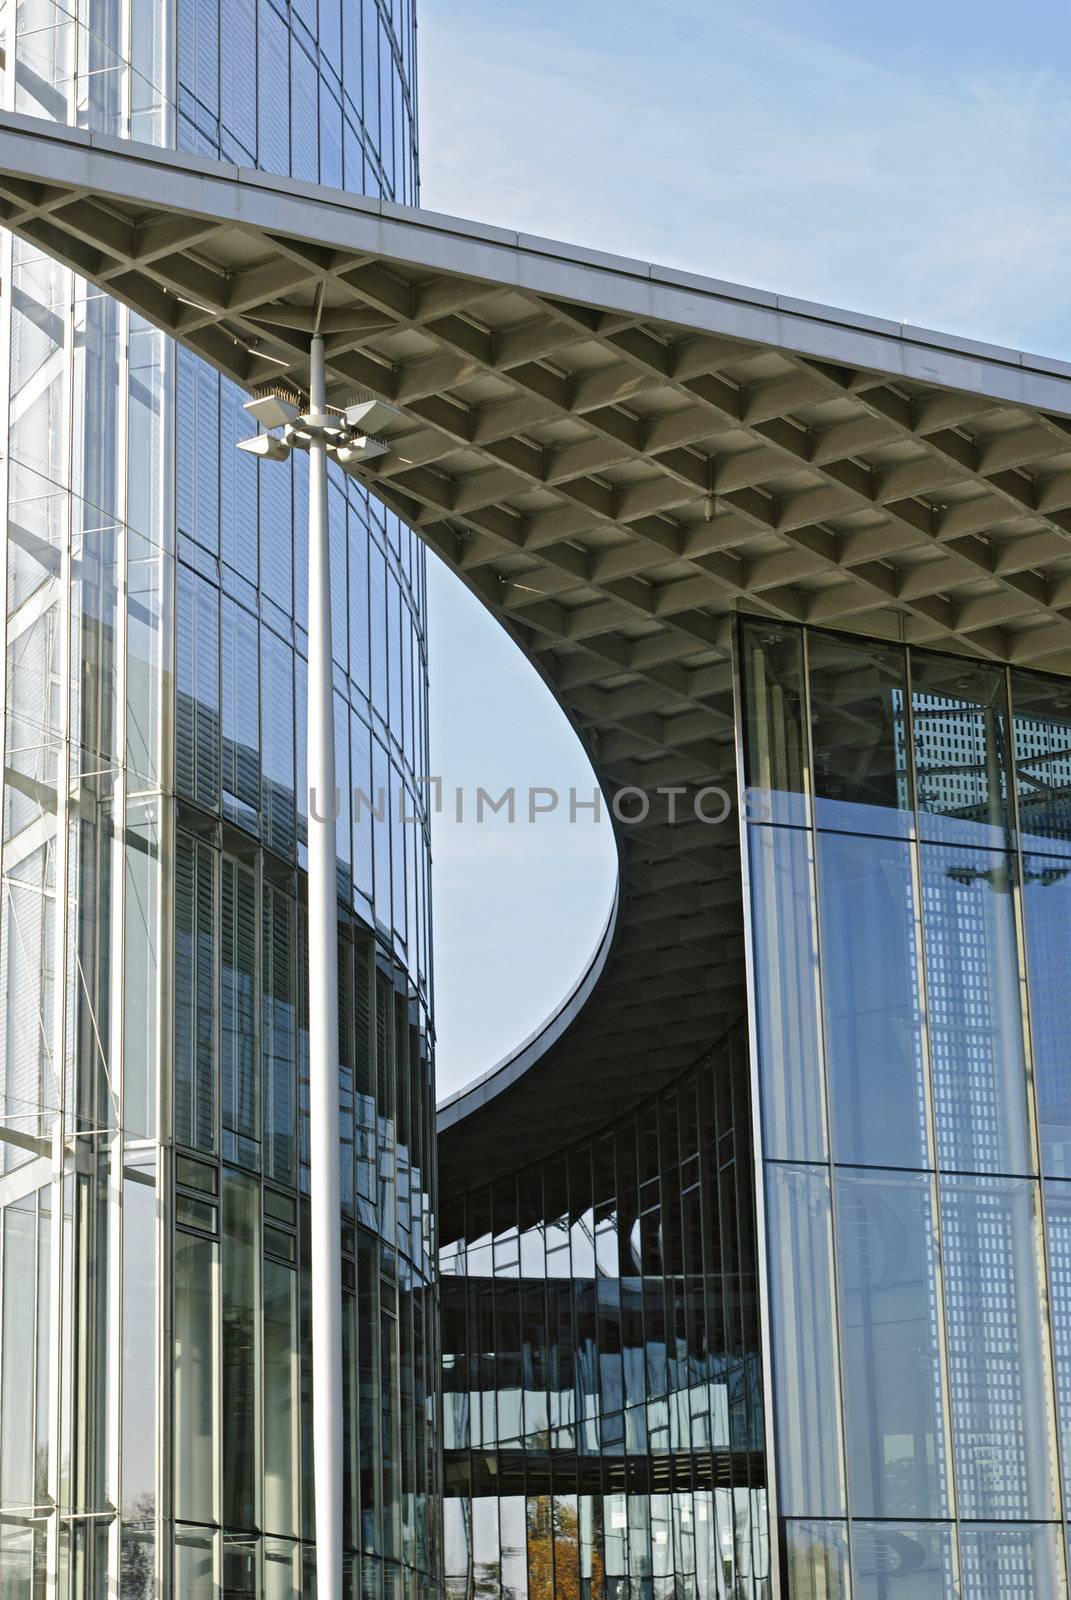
<point x="961" y="749"/>
<point x="774" y="732"/>
<point x="1041" y="712"/>
<point x="859" y="735"/>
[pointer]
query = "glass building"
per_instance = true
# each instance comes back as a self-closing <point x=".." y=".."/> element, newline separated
<point x="756" y="1261"/>
<point x="154" y="1292"/>
<point x="653" y="1361"/>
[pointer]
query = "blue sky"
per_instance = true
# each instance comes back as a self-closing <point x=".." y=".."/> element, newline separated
<point x="911" y="161"/>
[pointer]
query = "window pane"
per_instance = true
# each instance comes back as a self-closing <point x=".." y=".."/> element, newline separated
<point x="1008" y="1563"/>
<point x="887" y="1245"/>
<point x="773" y="722"/>
<point x="786" y="963"/>
<point x="1041" y="712"/>
<point x="281" y="1410"/>
<point x="139" y="1338"/>
<point x="195" y="1379"/>
<point x="859" y="735"/>
<point x="804" y="1341"/>
<point x="816" y="1554"/>
<point x="872" y="999"/>
<point x="997" y="1362"/>
<point x="1047" y="914"/>
<point x="976" y="1032"/>
<point x="961" y="733"/>
<point x="896" y="1561"/>
<point x="240" y="1355"/>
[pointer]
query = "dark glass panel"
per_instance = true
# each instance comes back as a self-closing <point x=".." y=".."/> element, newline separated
<point x="871" y="989"/>
<point x="772" y="660"/>
<point x="1041" y="724"/>
<point x="862" y="780"/>
<point x="961" y="749"/>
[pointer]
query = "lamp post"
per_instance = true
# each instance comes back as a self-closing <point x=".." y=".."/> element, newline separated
<point x="340" y="435"/>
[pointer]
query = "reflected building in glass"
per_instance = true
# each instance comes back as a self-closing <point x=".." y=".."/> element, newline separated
<point x="799" y="1326"/>
<point x="155" y="1383"/>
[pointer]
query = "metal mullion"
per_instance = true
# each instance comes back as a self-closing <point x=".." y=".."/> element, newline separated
<point x="823" y="1067"/>
<point x="1041" y="1216"/>
<point x="758" y="1154"/>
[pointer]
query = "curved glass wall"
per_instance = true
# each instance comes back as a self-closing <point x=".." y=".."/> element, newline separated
<point x="154" y="1381"/>
<point x="602" y="1406"/>
<point x="909" y="854"/>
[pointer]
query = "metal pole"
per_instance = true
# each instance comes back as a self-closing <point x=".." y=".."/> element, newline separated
<point x="323" y="1032"/>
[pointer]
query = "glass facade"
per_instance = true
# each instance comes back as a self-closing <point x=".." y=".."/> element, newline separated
<point x="602" y="1399"/>
<point x="155" y="1384"/>
<point x="908" y="853"/>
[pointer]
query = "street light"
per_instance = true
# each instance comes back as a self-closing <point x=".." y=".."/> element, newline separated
<point x="343" y="436"/>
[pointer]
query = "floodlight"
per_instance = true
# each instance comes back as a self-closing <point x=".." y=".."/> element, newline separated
<point x="265" y="445"/>
<point x="272" y="411"/>
<point x="360" y="450"/>
<point x="371" y="415"/>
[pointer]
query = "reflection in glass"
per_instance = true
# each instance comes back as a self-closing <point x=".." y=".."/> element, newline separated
<point x="803" y="1336"/>
<point x="786" y="971"/>
<point x="1047" y="913"/>
<point x="240" y="1353"/>
<point x="871" y="989"/>
<point x="816" y="1555"/>
<point x="961" y="749"/>
<point x="976" y="1030"/>
<point x="901" y="1561"/>
<point x="773" y="725"/>
<point x="859" y="735"/>
<point x="1010" y="1563"/>
<point x="138" y="1456"/>
<point x="998" y="1369"/>
<point x="195" y="1379"/>
<point x="1041" y="724"/>
<point x="887" y="1259"/>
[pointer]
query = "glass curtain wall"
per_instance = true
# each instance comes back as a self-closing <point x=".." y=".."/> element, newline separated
<point x="153" y="1044"/>
<point x="909" y="853"/>
<point x="602" y="1405"/>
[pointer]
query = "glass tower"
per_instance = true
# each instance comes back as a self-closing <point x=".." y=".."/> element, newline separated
<point x="154" y="1370"/>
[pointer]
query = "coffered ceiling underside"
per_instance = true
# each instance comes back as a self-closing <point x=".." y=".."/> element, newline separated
<point x="614" y="488"/>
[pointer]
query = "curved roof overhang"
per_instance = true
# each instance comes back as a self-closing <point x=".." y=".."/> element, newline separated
<point x="616" y="458"/>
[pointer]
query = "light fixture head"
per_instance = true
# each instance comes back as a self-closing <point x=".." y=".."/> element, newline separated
<point x="273" y="410"/>
<point x="265" y="445"/>
<point x="358" y="451"/>
<point x="370" y="414"/>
